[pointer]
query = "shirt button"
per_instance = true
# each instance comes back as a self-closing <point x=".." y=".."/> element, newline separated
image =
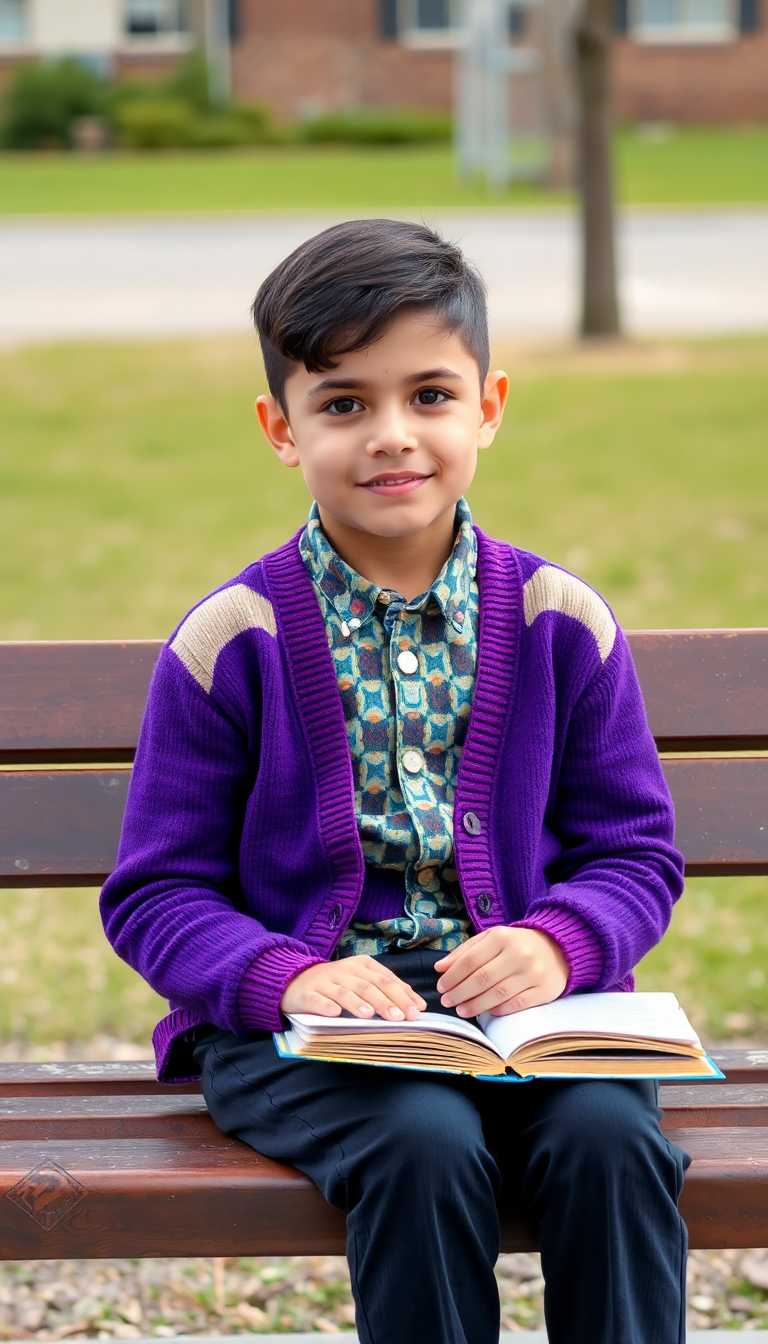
<point x="407" y="661"/>
<point x="472" y="823"/>
<point x="385" y="597"/>
<point x="484" y="903"/>
<point x="412" y="761"/>
<point x="334" y="916"/>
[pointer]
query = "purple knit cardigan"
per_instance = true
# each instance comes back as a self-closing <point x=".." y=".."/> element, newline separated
<point x="240" y="862"/>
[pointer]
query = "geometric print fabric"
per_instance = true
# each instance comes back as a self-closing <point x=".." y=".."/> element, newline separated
<point x="406" y="726"/>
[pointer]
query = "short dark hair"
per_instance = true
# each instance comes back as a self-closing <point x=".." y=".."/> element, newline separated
<point x="343" y="288"/>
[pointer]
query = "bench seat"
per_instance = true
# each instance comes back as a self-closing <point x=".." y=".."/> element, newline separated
<point x="91" y="1168"/>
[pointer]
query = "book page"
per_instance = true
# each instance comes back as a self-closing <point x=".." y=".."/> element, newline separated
<point x="650" y="1016"/>
<point x="312" y="1024"/>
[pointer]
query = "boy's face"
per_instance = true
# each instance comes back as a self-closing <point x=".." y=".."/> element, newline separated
<point x="388" y="440"/>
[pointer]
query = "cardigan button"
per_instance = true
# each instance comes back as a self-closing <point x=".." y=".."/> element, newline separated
<point x="472" y="823"/>
<point x="484" y="903"/>
<point x="334" y="916"/>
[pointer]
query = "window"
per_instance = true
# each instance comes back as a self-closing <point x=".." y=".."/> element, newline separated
<point x="13" y="20"/>
<point x="433" y="14"/>
<point x="683" y="20"/>
<point x="422" y="23"/>
<point x="150" y="18"/>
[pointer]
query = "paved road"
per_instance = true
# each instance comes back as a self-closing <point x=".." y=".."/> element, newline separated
<point x="684" y="272"/>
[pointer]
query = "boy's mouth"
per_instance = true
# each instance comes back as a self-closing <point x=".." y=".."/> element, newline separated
<point x="395" y="482"/>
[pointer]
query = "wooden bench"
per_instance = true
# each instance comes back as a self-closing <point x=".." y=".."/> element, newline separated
<point x="100" y="1160"/>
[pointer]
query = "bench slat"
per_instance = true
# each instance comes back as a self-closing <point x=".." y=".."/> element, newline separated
<point x="186" y="1117"/>
<point x="111" y="1078"/>
<point x="704" y="690"/>
<point x="74" y="702"/>
<point x="137" y="1077"/>
<point x="157" y="1197"/>
<point x="712" y="1104"/>
<point x="147" y="1117"/>
<point x="185" y="1197"/>
<point x="721" y="814"/>
<point x="61" y="828"/>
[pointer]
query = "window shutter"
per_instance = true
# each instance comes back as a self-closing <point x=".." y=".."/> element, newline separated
<point x="388" y="19"/>
<point x="234" y="16"/>
<point x="749" y="16"/>
<point x="621" y="16"/>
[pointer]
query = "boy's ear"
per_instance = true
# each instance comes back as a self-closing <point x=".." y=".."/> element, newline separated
<point x="493" y="401"/>
<point x="274" y="422"/>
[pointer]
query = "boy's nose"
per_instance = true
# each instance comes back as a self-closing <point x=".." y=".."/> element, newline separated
<point x="391" y="435"/>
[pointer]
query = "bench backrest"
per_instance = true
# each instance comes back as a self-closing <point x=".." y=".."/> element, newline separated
<point x="70" y="715"/>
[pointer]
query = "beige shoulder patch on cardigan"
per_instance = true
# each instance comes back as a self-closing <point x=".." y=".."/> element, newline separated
<point x="551" y="589"/>
<point x="210" y="627"/>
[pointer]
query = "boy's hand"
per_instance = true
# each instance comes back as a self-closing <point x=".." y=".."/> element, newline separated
<point x="502" y="970"/>
<point x="360" y="985"/>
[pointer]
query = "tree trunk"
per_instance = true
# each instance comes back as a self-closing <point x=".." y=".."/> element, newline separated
<point x="600" y="307"/>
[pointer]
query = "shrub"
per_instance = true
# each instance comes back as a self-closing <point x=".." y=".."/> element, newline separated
<point x="257" y="125"/>
<point x="377" y="126"/>
<point x="154" y="123"/>
<point x="215" y="133"/>
<point x="43" y="100"/>
<point x="189" y="83"/>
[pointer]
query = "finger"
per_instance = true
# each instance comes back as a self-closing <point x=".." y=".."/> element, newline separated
<point x="465" y="960"/>
<point x="354" y="1003"/>
<point x="315" y="1002"/>
<point x="484" y="978"/>
<point x="384" y="1006"/>
<point x="497" y="988"/>
<point x="398" y="990"/>
<point x="513" y="998"/>
<point x="529" y="998"/>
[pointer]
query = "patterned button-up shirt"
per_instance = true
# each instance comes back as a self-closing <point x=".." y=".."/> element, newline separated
<point x="406" y="675"/>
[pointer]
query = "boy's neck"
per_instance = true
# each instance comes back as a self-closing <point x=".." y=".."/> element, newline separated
<point x="408" y="565"/>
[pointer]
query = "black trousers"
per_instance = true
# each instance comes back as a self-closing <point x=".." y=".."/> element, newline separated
<point x="422" y="1164"/>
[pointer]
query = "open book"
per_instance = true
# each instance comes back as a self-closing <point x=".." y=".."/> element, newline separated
<point x="584" y="1036"/>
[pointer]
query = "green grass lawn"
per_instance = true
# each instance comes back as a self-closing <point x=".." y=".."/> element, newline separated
<point x="133" y="480"/>
<point x="689" y="166"/>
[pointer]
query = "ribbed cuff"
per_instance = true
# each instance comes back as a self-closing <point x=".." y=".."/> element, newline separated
<point x="264" y="983"/>
<point x="578" y="943"/>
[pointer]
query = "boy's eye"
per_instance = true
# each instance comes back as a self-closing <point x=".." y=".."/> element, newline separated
<point x="343" y="405"/>
<point x="430" y="396"/>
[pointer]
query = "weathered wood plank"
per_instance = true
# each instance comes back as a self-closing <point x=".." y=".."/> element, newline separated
<point x="73" y="701"/>
<point x="137" y="1077"/>
<point x="43" y="1119"/>
<point x="721" y="814"/>
<point x="60" y="828"/>
<point x="82" y="701"/>
<point x="181" y="1197"/>
<point x="713" y="1105"/>
<point x="704" y="690"/>
<point x="89" y="1078"/>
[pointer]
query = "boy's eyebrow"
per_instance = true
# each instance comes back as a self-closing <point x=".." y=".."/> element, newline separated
<point x="360" y="384"/>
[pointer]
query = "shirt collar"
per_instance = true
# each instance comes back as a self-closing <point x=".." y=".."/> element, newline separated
<point x="354" y="598"/>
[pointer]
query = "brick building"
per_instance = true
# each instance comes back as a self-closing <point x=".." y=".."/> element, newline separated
<point x="678" y="60"/>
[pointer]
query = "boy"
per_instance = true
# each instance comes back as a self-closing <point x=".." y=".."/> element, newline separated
<point x="397" y="765"/>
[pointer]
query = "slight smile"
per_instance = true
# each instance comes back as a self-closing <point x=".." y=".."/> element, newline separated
<point x="395" y="483"/>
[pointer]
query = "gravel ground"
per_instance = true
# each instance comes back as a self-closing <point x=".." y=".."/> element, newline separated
<point x="128" y="1299"/>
